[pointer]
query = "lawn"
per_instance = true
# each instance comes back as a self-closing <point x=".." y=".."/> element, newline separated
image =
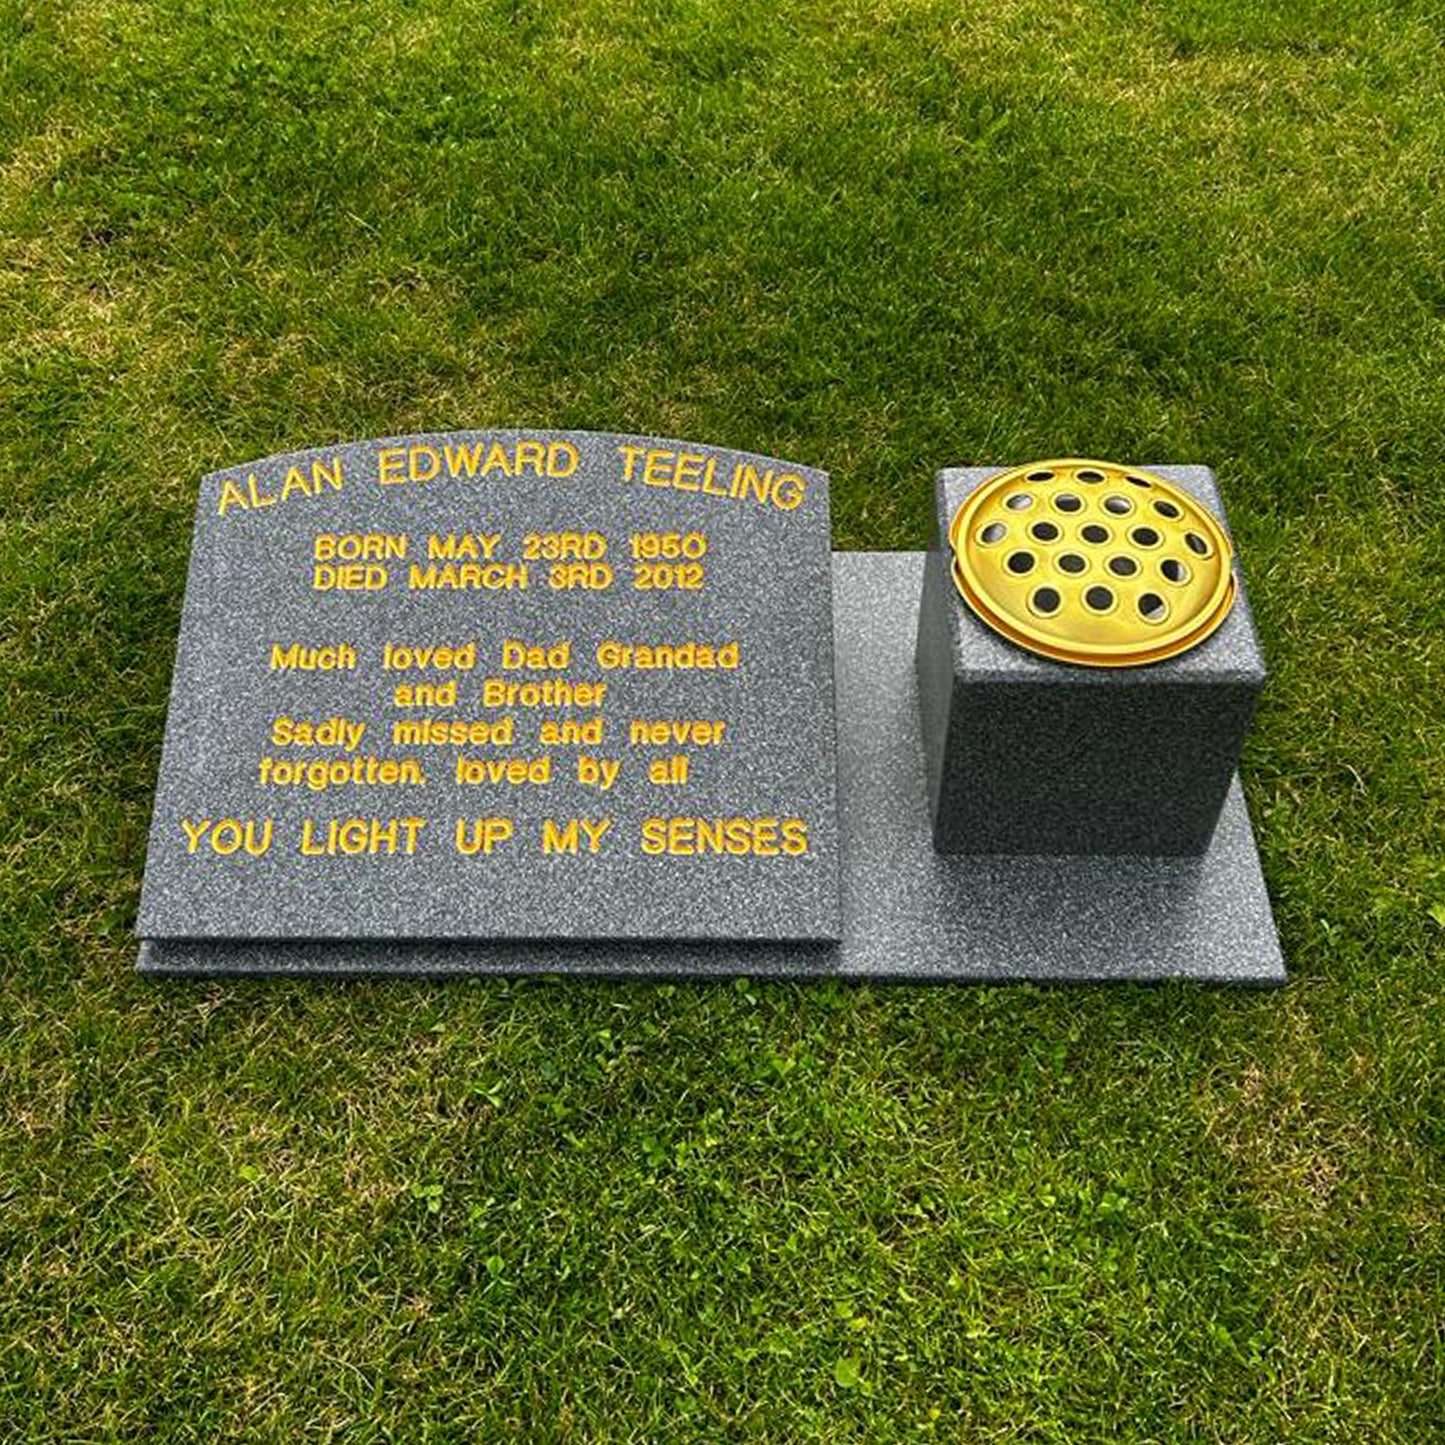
<point x="877" y="238"/>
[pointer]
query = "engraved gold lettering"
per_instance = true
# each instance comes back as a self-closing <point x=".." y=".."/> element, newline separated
<point x="473" y="772"/>
<point x="391" y="466"/>
<point x="685" y="656"/>
<point x="469" y="577"/>
<point x="462" y="546"/>
<point x="231" y="496"/>
<point x="229" y="836"/>
<point x="562" y="459"/>
<point x="352" y="577"/>
<point x="658" y="468"/>
<point x="353" y="836"/>
<point x="255" y="496"/>
<point x="398" y="658"/>
<point x="555" y="692"/>
<point x="676" y="732"/>
<point x="317" y="775"/>
<point x="630" y="455"/>
<point x="358" y="546"/>
<point x="497" y="458"/>
<point x="332" y="476"/>
<point x="697" y="472"/>
<point x="517" y="654"/>
<point x="295" y="481"/>
<point x="735" y="837"/>
<point x="564" y="732"/>
<point x="422" y="463"/>
<point x="689" y="471"/>
<point x="296" y="658"/>
<point x="599" y="773"/>
<point x="670" y="772"/>
<point x="482" y="835"/>
<point x="425" y="694"/>
<point x="442" y="732"/>
<point x="557" y="839"/>
<point x="333" y="732"/>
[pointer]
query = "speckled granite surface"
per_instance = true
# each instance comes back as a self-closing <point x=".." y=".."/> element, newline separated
<point x="908" y="912"/>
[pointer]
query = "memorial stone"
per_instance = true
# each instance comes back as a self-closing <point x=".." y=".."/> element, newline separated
<point x="502" y="702"/>
<point x="502" y="685"/>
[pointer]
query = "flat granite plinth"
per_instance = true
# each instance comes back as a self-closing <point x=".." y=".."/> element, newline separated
<point x="909" y="914"/>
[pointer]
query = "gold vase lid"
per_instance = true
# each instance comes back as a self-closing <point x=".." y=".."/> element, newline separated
<point x="1092" y="563"/>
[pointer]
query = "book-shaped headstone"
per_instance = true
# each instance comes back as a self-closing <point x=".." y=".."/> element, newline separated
<point x="502" y="686"/>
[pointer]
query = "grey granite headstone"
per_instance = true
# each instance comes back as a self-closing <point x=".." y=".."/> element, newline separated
<point x="502" y="686"/>
<point x="1030" y="756"/>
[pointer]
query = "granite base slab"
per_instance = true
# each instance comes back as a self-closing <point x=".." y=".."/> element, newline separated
<point x="909" y="914"/>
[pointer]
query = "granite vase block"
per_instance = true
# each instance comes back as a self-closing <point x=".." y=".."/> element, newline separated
<point x="1028" y="756"/>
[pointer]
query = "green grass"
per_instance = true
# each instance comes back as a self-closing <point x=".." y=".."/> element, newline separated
<point x="880" y="239"/>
